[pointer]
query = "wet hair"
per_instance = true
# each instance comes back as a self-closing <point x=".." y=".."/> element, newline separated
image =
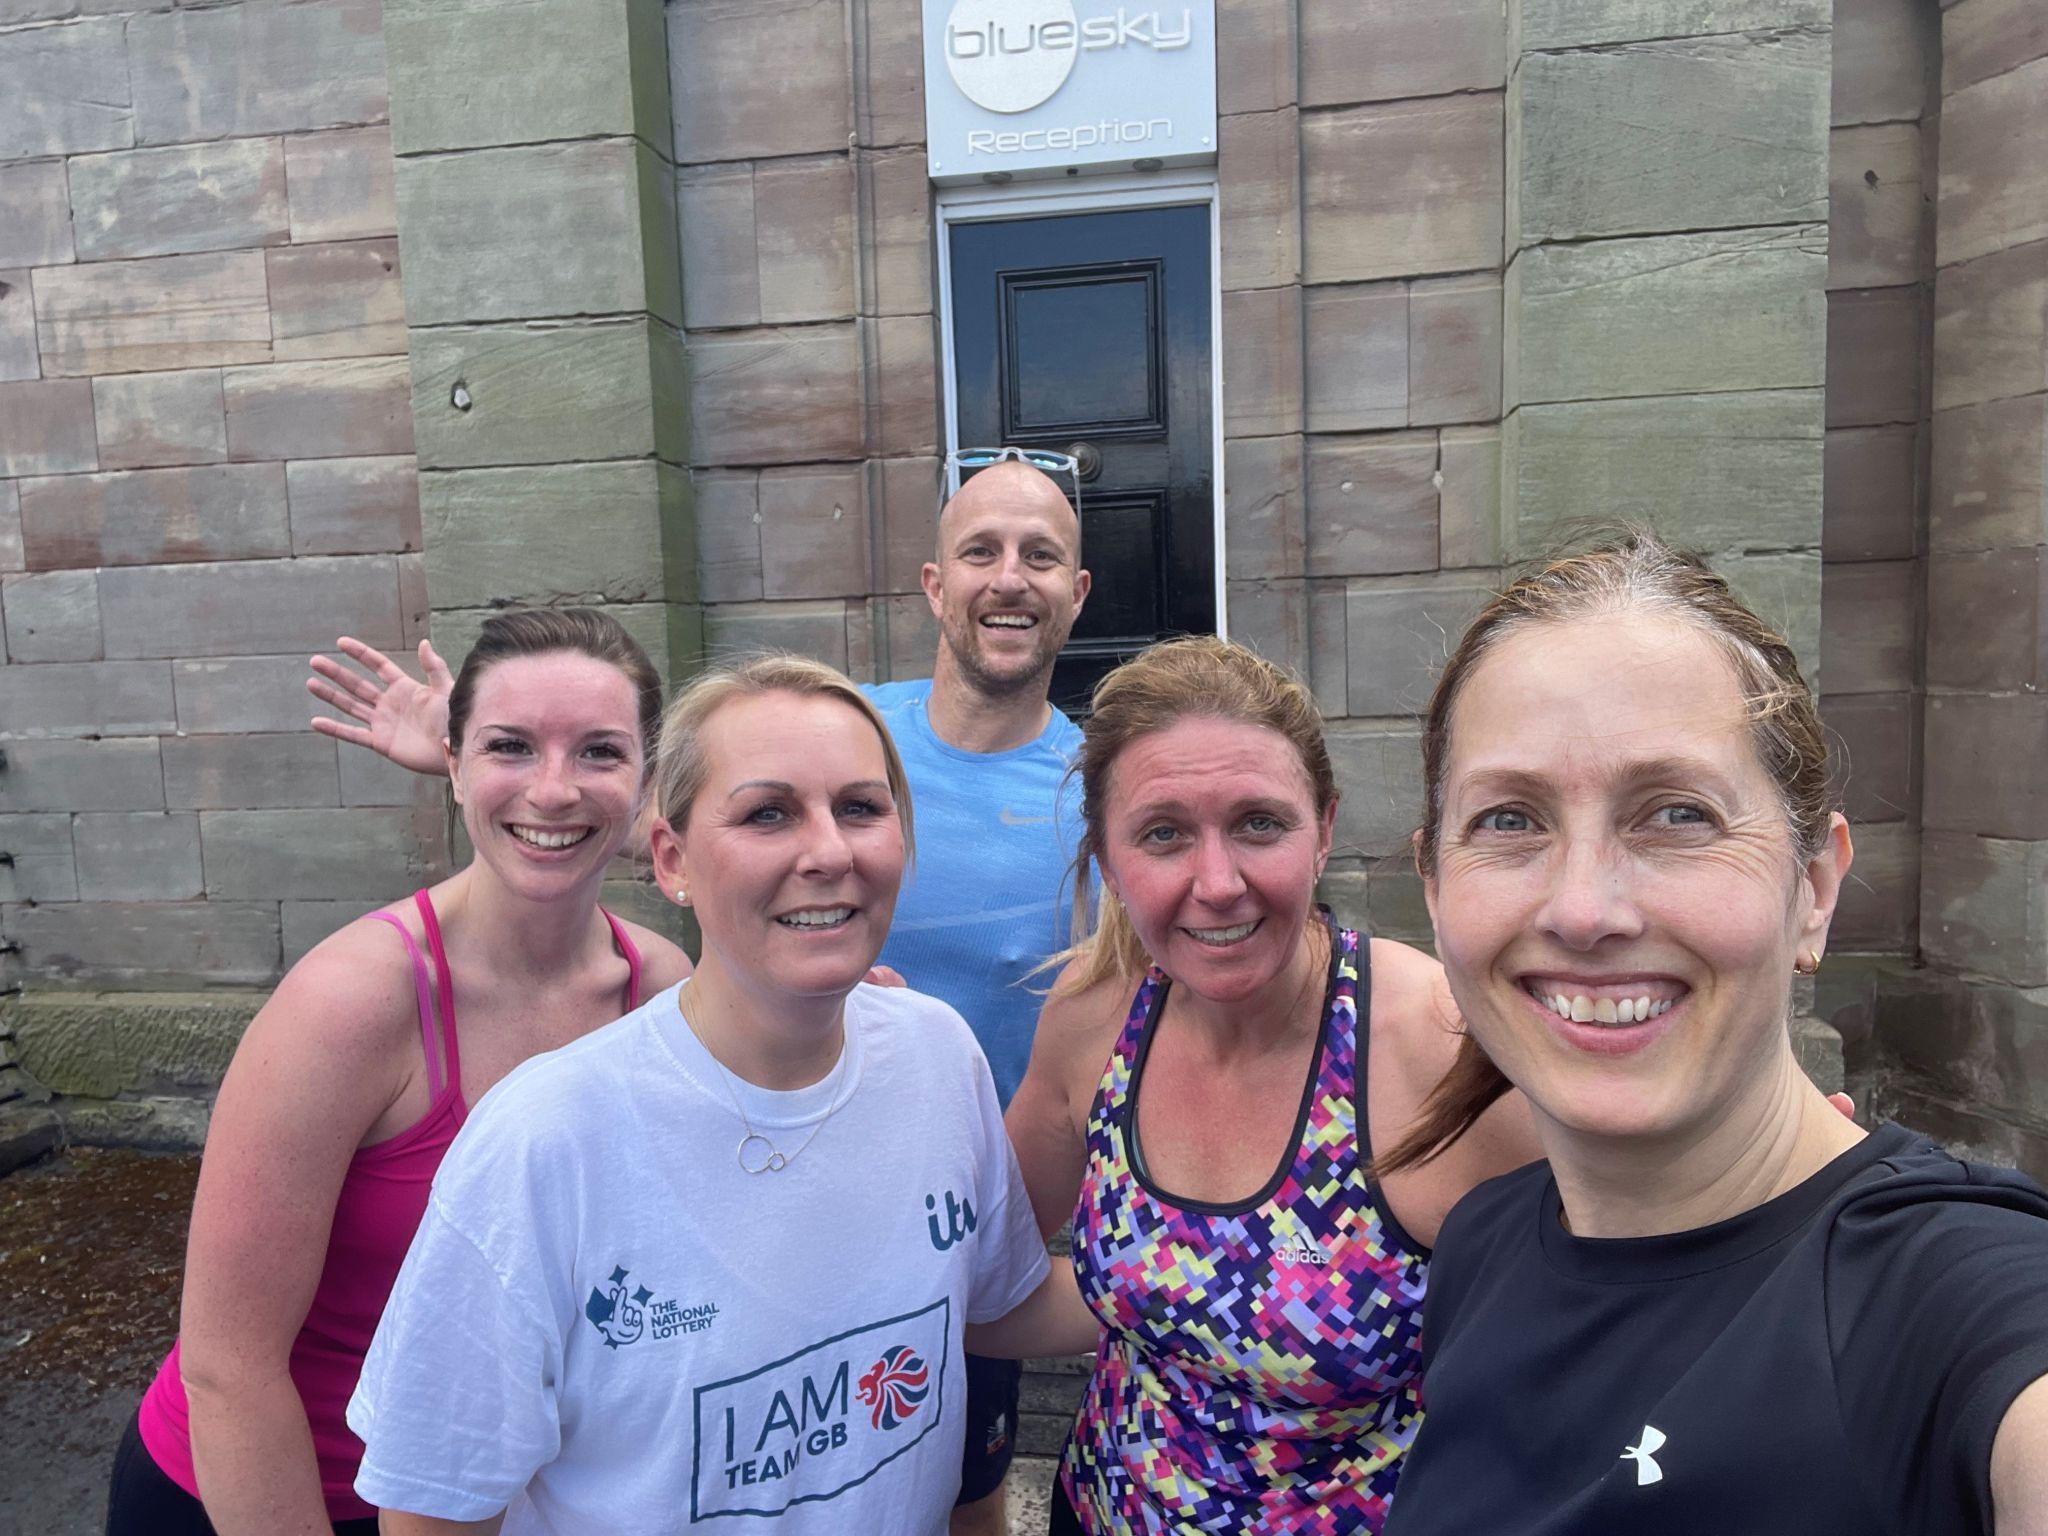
<point x="551" y="631"/>
<point x="1631" y="572"/>
<point x="680" y="762"/>
<point x="1200" y="677"/>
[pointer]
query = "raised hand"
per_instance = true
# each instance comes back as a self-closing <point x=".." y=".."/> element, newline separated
<point x="396" y="716"/>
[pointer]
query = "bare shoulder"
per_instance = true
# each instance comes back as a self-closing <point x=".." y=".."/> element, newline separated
<point x="662" y="961"/>
<point x="353" y="993"/>
<point x="1414" y="1020"/>
<point x="1076" y="1028"/>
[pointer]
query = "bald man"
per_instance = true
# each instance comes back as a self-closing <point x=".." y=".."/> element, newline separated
<point x="986" y="754"/>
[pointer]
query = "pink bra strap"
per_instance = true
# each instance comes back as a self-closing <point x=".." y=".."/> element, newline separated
<point x="423" y="990"/>
<point x="632" y="960"/>
<point x="449" y="1052"/>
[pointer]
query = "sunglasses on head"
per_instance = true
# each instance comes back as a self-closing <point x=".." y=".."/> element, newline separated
<point x="963" y="461"/>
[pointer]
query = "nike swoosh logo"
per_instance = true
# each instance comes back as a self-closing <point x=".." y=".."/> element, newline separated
<point x="1010" y="818"/>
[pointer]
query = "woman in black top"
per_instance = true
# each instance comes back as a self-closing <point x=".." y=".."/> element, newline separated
<point x="1719" y="1307"/>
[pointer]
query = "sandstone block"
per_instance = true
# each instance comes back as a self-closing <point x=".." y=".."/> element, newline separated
<point x="1468" y="501"/>
<point x="122" y="944"/>
<point x="195" y="197"/>
<point x="341" y="300"/>
<point x="43" y="868"/>
<point x="1260" y="38"/>
<point x="155" y="516"/>
<point x="148" y="420"/>
<point x="1379" y="780"/>
<point x="1984" y="907"/>
<point x="1553" y="24"/>
<point x="1400" y="189"/>
<point x="1873" y="356"/>
<point x="249" y="607"/>
<point x="208" y="773"/>
<point x="1994" y="187"/>
<point x="889" y="105"/>
<point x="235" y="694"/>
<point x="727" y="107"/>
<point x="545" y="394"/>
<point x="66" y="89"/>
<point x="367" y="779"/>
<point x="158" y="313"/>
<point x="1880" y="902"/>
<point x="1872" y="493"/>
<point x="342" y="185"/>
<point x="1454" y="349"/>
<point x="46" y="427"/>
<point x="902" y="386"/>
<point x="1380" y="50"/>
<point x="1987" y="620"/>
<point x="257" y="68"/>
<point x="814" y="532"/>
<point x="1262" y="362"/>
<point x="54" y="616"/>
<point x="912" y="638"/>
<point x="1784" y="591"/>
<point x="354" y="506"/>
<point x="1877" y="214"/>
<point x="898" y="200"/>
<point x="1258" y="167"/>
<point x="100" y="1044"/>
<point x="729" y="535"/>
<point x="101" y="773"/>
<point x="365" y="852"/>
<point x="754" y="393"/>
<point x="650" y="624"/>
<point x="1720" y="471"/>
<point x="1399" y="633"/>
<point x="1974" y="742"/>
<point x="10" y="527"/>
<point x="1358" y="363"/>
<point x="1988" y="37"/>
<point x="1868" y="626"/>
<point x="1874" y="738"/>
<point x="38" y="204"/>
<point x="138" y="856"/>
<point x="306" y="923"/>
<point x="1887" y="53"/>
<point x="1989" y="478"/>
<point x="1991" y="327"/>
<point x="721" y="271"/>
<point x="907" y="498"/>
<point x="804" y="239"/>
<point x="1372" y="504"/>
<point x="1718" y="311"/>
<point x="18" y="359"/>
<point x="809" y="628"/>
<point x="1329" y="648"/>
<point x="1264" y="508"/>
<point x="1271" y="617"/>
<point x="85" y="698"/>
<point x="582" y="532"/>
<point x="349" y="408"/>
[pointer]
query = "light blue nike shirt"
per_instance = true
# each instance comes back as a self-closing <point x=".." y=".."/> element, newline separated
<point x="988" y="898"/>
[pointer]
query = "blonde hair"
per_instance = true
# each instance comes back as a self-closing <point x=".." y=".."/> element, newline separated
<point x="1200" y="677"/>
<point x="680" y="762"/>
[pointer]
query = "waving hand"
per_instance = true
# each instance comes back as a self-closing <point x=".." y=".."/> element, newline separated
<point x="393" y="714"/>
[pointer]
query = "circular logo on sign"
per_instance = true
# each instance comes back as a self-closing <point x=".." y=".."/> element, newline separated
<point x="1010" y="55"/>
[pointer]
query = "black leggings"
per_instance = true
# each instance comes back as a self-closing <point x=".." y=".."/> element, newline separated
<point x="143" y="1500"/>
<point x="1062" y="1521"/>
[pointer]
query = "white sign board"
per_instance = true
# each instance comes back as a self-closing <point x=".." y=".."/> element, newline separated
<point x="1042" y="87"/>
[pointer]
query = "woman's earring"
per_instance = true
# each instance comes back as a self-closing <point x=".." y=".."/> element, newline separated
<point x="1807" y="964"/>
<point x="682" y="895"/>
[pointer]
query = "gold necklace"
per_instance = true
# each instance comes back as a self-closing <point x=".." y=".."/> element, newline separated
<point x="751" y="1159"/>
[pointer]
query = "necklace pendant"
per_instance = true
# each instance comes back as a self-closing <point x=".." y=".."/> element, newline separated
<point x="764" y="1159"/>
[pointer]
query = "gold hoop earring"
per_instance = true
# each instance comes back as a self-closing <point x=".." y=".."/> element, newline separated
<point x="1807" y="964"/>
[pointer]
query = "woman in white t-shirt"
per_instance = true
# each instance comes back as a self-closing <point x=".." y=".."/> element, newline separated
<point x="716" y="1259"/>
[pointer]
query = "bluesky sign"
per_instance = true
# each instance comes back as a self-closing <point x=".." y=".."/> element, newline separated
<point x="1041" y="87"/>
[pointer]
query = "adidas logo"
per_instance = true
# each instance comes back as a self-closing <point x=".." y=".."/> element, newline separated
<point x="1299" y="1250"/>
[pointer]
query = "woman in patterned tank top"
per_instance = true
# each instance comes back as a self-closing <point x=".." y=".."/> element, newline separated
<point x="1215" y="1071"/>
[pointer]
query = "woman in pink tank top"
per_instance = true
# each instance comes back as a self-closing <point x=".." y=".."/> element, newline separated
<point x="354" y="1079"/>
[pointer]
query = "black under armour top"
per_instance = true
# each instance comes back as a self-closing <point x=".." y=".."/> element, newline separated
<point x="1835" y="1361"/>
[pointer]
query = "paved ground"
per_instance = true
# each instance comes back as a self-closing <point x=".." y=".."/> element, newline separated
<point x="91" y="1248"/>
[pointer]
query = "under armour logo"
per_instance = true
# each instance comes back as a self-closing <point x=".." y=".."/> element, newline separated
<point x="1645" y="1456"/>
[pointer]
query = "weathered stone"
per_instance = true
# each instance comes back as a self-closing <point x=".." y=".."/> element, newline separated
<point x="1550" y="24"/>
<point x="653" y="627"/>
<point x="804" y="239"/>
<point x="814" y="532"/>
<point x="10" y="526"/>
<point x="580" y="532"/>
<point x="897" y="198"/>
<point x="1380" y="50"/>
<point x="1994" y="186"/>
<point x="1878" y="226"/>
<point x="37" y="232"/>
<point x="126" y="945"/>
<point x="343" y="185"/>
<point x="1874" y="740"/>
<point x="728" y="107"/>
<point x="66" y="89"/>
<point x="148" y="420"/>
<point x="1879" y="908"/>
<point x="1271" y="617"/>
<point x="1329" y="650"/>
<point x="41" y="867"/>
<point x="1454" y="349"/>
<point x="1717" y="471"/>
<point x="163" y="202"/>
<point x="1945" y="1043"/>
<point x="155" y="516"/>
<point x="341" y="300"/>
<point x="86" y="698"/>
<point x="18" y="360"/>
<point x="354" y="506"/>
<point x="543" y="394"/>
<point x="1357" y="341"/>
<point x="247" y="693"/>
<point x="911" y="637"/>
<point x="1721" y="310"/>
<point x="906" y="497"/>
<point x="1886" y="55"/>
<point x="306" y="923"/>
<point x="471" y="224"/>
<point x="729" y="536"/>
<point x="1867" y="626"/>
<point x="1990" y="476"/>
<point x="1989" y="37"/>
<point x="54" y="616"/>
<point x="159" y="313"/>
<point x="1984" y="907"/>
<point x="809" y="628"/>
<point x="1379" y="783"/>
<point x="249" y="607"/>
<point x="1871" y="493"/>
<point x="1991" y="327"/>
<point x="1975" y="745"/>
<point x="162" y="1123"/>
<point x="1372" y="504"/>
<point x="1262" y="362"/>
<point x="210" y="773"/>
<point x="1987" y="620"/>
<point x="1258" y="169"/>
<point x="46" y="428"/>
<point x="1399" y="633"/>
<point x="902" y="386"/>
<point x="1260" y="38"/>
<point x="368" y="779"/>
<point x="889" y="55"/>
<point x="347" y="408"/>
<point x="1264" y="508"/>
<point x="1874" y="352"/>
<point x="1404" y="188"/>
<point x="721" y="269"/>
<point x="1468" y="501"/>
<point x="755" y="393"/>
<point x="111" y="774"/>
<point x="360" y="851"/>
<point x="138" y="856"/>
<point x="1784" y="591"/>
<point x="28" y="1132"/>
<point x="100" y="1044"/>
<point x="258" y="67"/>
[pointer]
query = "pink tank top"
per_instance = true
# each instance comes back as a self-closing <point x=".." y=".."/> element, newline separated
<point x="383" y="1198"/>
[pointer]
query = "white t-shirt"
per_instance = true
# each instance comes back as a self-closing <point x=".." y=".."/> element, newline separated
<point x="605" y="1326"/>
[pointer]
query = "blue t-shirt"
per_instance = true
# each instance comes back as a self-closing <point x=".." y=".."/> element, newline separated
<point x="988" y="898"/>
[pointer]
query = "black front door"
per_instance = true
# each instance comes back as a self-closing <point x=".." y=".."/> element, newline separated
<point x="1089" y="333"/>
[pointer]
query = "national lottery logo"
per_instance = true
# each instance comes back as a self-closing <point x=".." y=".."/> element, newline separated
<point x="895" y="1387"/>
